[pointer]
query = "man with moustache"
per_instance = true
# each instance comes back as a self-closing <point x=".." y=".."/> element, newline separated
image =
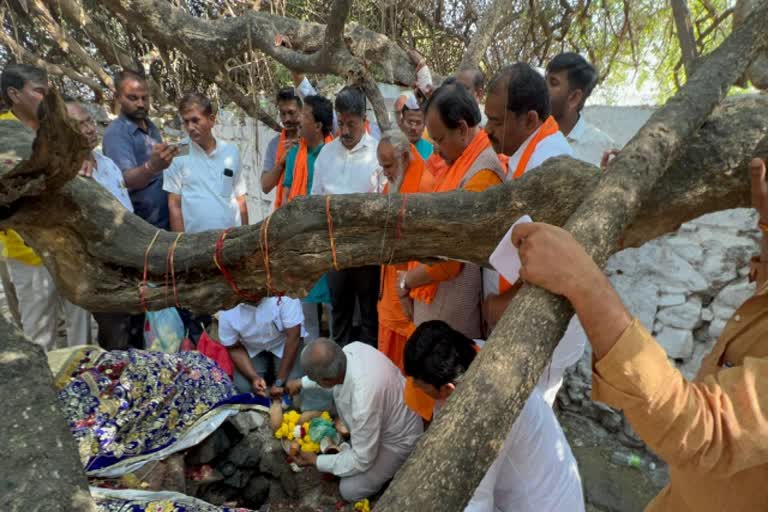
<point x="411" y="122"/>
<point x="570" y="80"/>
<point x="23" y="88"/>
<point x="113" y="327"/>
<point x="134" y="143"/>
<point x="289" y="106"/>
<point x="403" y="169"/>
<point x="316" y="128"/>
<point x="451" y="291"/>
<point x="520" y="126"/>
<point x="346" y="166"/>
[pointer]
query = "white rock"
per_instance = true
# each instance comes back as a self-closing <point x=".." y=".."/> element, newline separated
<point x="707" y="315"/>
<point x="686" y="249"/>
<point x="657" y="326"/>
<point x="734" y="295"/>
<point x="678" y="343"/>
<point x="666" y="300"/>
<point x="716" y="328"/>
<point x="728" y="220"/>
<point x="722" y="312"/>
<point x="657" y="263"/>
<point x="640" y="296"/>
<point x="685" y="316"/>
<point x="744" y="271"/>
<point x="672" y="290"/>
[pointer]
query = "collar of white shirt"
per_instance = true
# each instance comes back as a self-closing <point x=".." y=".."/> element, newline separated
<point x="365" y="142"/>
<point x="578" y="131"/>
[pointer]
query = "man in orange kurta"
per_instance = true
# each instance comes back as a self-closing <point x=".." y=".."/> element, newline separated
<point x="451" y="291"/>
<point x="712" y="431"/>
<point x="403" y="168"/>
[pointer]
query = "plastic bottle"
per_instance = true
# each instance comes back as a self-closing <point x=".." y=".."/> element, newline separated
<point x="631" y="460"/>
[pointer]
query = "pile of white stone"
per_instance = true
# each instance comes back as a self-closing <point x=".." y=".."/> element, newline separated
<point x="683" y="287"/>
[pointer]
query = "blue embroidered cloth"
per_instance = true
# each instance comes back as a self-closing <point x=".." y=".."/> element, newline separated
<point x="123" y="407"/>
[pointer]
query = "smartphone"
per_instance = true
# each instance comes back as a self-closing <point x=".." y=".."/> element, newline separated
<point x="183" y="149"/>
<point x="226" y="182"/>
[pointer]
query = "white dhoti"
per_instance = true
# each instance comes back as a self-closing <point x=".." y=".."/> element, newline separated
<point x="364" y="485"/>
<point x="40" y="304"/>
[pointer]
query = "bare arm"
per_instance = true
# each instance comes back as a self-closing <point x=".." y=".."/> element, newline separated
<point x="174" y="212"/>
<point x="242" y="362"/>
<point x="290" y="352"/>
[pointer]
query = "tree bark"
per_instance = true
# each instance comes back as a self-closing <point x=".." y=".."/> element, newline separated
<point x="40" y="468"/>
<point x="360" y="54"/>
<point x="498" y="12"/>
<point x="517" y="352"/>
<point x="96" y="250"/>
<point x="685" y="36"/>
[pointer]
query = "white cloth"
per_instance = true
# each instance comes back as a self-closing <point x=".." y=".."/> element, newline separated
<point x="370" y="402"/>
<point x="548" y="147"/>
<point x="40" y="305"/>
<point x="109" y="176"/>
<point x="535" y="470"/>
<point x="261" y="328"/>
<point x="589" y="143"/>
<point x="339" y="170"/>
<point x="208" y="197"/>
<point x="571" y="346"/>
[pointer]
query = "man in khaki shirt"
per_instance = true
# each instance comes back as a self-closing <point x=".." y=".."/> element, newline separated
<point x="713" y="432"/>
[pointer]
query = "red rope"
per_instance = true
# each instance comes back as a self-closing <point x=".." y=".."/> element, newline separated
<point x="143" y="284"/>
<point x="329" y="218"/>
<point x="218" y="260"/>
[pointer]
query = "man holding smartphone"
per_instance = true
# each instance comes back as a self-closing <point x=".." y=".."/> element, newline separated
<point x="205" y="185"/>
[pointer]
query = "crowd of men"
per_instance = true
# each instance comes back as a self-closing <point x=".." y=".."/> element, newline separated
<point x="402" y="336"/>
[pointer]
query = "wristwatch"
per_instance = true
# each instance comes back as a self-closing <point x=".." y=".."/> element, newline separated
<point x="279" y="383"/>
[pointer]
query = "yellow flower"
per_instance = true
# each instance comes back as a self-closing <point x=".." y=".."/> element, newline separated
<point x="326" y="416"/>
<point x="290" y="436"/>
<point x="363" y="506"/>
<point x="305" y="426"/>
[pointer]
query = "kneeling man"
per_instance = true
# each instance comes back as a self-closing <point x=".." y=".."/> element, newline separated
<point x="368" y="394"/>
<point x="535" y="470"/>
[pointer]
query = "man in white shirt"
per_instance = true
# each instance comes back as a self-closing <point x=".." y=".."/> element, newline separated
<point x="520" y="126"/>
<point x="206" y="187"/>
<point x="346" y="166"/>
<point x="260" y="336"/>
<point x="571" y="79"/>
<point x="368" y="394"/>
<point x="535" y="470"/>
<point x="304" y="88"/>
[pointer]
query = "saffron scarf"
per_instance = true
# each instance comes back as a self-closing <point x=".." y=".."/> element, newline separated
<point x="301" y="170"/>
<point x="549" y="127"/>
<point x="451" y="181"/>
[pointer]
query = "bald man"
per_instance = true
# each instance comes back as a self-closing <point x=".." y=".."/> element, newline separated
<point x="368" y="394"/>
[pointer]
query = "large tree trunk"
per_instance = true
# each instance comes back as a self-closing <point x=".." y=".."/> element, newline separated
<point x="517" y="352"/>
<point x="40" y="468"/>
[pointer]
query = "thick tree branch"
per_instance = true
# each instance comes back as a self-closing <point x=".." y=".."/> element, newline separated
<point x="525" y="338"/>
<point x="495" y="15"/>
<point x="337" y="20"/>
<point x="50" y="479"/>
<point x="685" y="36"/>
<point x="52" y="69"/>
<point x="67" y="43"/>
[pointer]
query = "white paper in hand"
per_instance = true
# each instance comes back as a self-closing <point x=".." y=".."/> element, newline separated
<point x="505" y="258"/>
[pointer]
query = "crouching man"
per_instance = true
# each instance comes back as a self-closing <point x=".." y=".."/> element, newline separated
<point x="368" y="394"/>
<point x="535" y="470"/>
